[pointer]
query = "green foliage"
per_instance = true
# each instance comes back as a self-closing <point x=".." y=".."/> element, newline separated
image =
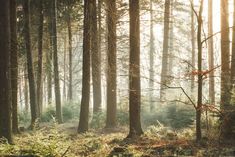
<point x="24" y="118"/>
<point x="98" y="120"/>
<point x="122" y="118"/>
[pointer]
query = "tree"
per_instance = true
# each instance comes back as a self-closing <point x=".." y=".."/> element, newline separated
<point x="96" y="77"/>
<point x="111" y="69"/>
<point x="165" y="48"/>
<point x="151" y="58"/>
<point x="233" y="50"/>
<point x="32" y="89"/>
<point x="193" y="46"/>
<point x="55" y="62"/>
<point x="211" y="53"/>
<point x="40" y="57"/>
<point x="134" y="71"/>
<point x="84" y="112"/>
<point x="5" y="103"/>
<point x="14" y="67"/>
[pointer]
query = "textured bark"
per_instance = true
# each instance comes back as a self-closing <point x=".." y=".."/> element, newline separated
<point x="40" y="57"/>
<point x="193" y="48"/>
<point x="200" y="75"/>
<point x="165" y="49"/>
<point x="211" y="53"/>
<point x="26" y="90"/>
<point x="5" y="102"/>
<point x="151" y="59"/>
<point x="134" y="71"/>
<point x="84" y="112"/>
<point x="55" y="63"/>
<point x="14" y="67"/>
<point x="96" y="76"/>
<point x="233" y="50"/>
<point x="49" y="64"/>
<point x="70" y="90"/>
<point x="111" y="69"/>
<point x="32" y="90"/>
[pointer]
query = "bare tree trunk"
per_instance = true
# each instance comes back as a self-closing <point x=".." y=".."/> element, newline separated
<point x="65" y="62"/>
<point x="5" y="102"/>
<point x="165" y="49"/>
<point x="32" y="90"/>
<point x="14" y="67"/>
<point x="26" y="91"/>
<point x="134" y="71"/>
<point x="151" y="59"/>
<point x="56" y="68"/>
<point x="193" y="48"/>
<point x="112" y="68"/>
<point x="200" y="75"/>
<point x="96" y="77"/>
<point x="84" y="112"/>
<point x="40" y="57"/>
<point x="233" y="50"/>
<point x="70" y="90"/>
<point x="211" y="53"/>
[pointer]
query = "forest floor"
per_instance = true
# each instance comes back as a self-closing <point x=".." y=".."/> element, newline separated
<point x="62" y="140"/>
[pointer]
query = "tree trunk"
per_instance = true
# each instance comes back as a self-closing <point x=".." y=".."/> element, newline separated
<point x="26" y="91"/>
<point x="151" y="59"/>
<point x="65" y="62"/>
<point x="193" y="48"/>
<point x="49" y="64"/>
<point x="111" y="69"/>
<point x="55" y="61"/>
<point x="84" y="112"/>
<point x="70" y="90"/>
<point x="14" y="67"/>
<point x="134" y="71"/>
<point x="200" y="75"/>
<point x="165" y="49"/>
<point x="40" y="57"/>
<point x="211" y="53"/>
<point x="5" y="102"/>
<point x="233" y="51"/>
<point x="32" y="90"/>
<point x="96" y="78"/>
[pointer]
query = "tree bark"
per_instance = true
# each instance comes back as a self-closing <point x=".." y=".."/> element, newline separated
<point x="5" y="102"/>
<point x="165" y="49"/>
<point x="40" y="57"/>
<point x="14" y="67"/>
<point x="84" y="112"/>
<point x="112" y="68"/>
<point x="193" y="48"/>
<point x="211" y="53"/>
<point x="134" y="71"/>
<point x="233" y="50"/>
<point x="32" y="90"/>
<point x="55" y="61"/>
<point x="96" y="77"/>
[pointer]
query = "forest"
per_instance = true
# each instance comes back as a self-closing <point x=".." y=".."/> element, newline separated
<point x="117" y="78"/>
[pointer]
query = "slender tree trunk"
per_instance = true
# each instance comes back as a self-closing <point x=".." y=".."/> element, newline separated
<point x="26" y="91"/>
<point x="233" y="50"/>
<point x="111" y="69"/>
<point x="84" y="112"/>
<point x="151" y="59"/>
<point x="165" y="49"/>
<point x="56" y="68"/>
<point x="96" y="77"/>
<point x="65" y="62"/>
<point x="5" y="102"/>
<point x="134" y="71"/>
<point x="193" y="48"/>
<point x="70" y="90"/>
<point x="200" y="75"/>
<point x="171" y="42"/>
<point x="14" y="67"/>
<point x="49" y="67"/>
<point x="40" y="57"/>
<point x="211" y="53"/>
<point x="32" y="90"/>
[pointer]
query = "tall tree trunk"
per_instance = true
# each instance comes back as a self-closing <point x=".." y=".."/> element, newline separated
<point x="55" y="61"/>
<point x="165" y="49"/>
<point x="151" y="59"/>
<point x="96" y="77"/>
<point x="211" y="53"/>
<point x="233" y="50"/>
<point x="26" y="91"/>
<point x="84" y="112"/>
<point x="32" y="90"/>
<point x="65" y="62"/>
<point x="171" y="42"/>
<point x="200" y="75"/>
<point x="5" y="102"/>
<point x="40" y="57"/>
<point x="70" y="90"/>
<point x="111" y="69"/>
<point x="49" y="64"/>
<point x="14" y="67"/>
<point x="193" y="48"/>
<point x="134" y="71"/>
